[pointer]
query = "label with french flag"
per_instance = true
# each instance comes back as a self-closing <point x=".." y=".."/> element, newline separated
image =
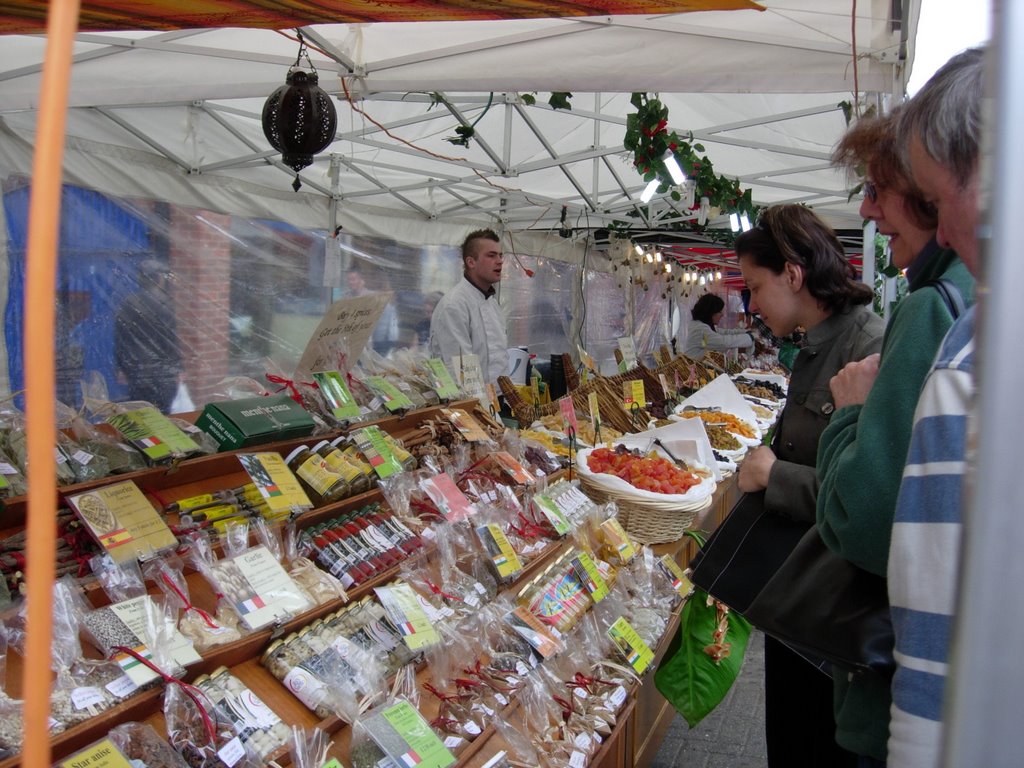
<point x="252" y="604"/>
<point x="417" y="746"/>
<point x="404" y="611"/>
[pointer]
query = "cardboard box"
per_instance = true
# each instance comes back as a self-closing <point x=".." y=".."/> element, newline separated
<point x="254" y="420"/>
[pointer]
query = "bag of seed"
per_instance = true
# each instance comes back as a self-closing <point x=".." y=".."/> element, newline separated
<point x="119" y="455"/>
<point x="396" y="730"/>
<point x="308" y="748"/>
<point x="200" y="734"/>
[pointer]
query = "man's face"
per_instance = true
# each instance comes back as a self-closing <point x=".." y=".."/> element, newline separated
<point x="957" y="206"/>
<point x="484" y="266"/>
<point x="355" y="282"/>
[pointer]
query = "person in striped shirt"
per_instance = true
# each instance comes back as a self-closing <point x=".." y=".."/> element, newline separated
<point x="940" y="128"/>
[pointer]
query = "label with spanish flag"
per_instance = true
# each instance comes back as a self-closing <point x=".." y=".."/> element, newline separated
<point x="123" y="521"/>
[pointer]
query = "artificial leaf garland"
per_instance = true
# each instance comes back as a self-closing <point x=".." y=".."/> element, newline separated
<point x="649" y="139"/>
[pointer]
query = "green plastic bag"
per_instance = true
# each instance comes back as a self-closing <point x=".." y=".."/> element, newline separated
<point x="699" y="668"/>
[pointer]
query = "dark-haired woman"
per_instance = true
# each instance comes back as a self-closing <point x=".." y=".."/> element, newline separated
<point x="702" y="334"/>
<point x="798" y="275"/>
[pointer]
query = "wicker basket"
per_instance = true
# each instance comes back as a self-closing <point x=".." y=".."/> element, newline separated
<point x="615" y="416"/>
<point x="647" y="522"/>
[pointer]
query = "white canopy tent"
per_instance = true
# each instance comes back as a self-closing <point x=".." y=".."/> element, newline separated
<point x="175" y="116"/>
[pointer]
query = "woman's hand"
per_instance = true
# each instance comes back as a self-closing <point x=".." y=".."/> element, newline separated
<point x="852" y="384"/>
<point x="755" y="469"/>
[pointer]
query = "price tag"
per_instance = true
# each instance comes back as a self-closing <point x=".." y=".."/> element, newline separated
<point x="275" y="481"/>
<point x="618" y="538"/>
<point x="595" y="413"/>
<point x="577" y="759"/>
<point x="568" y="417"/>
<point x="675" y="573"/>
<point x="632" y="647"/>
<point x="405" y="612"/>
<point x="392" y="396"/>
<point x="617" y="697"/>
<point x="585" y="568"/>
<point x="633" y="392"/>
<point x="492" y="396"/>
<point x="452" y="502"/>
<point x="375" y="448"/>
<point x="500" y="550"/>
<point x="122" y="687"/>
<point x="337" y="395"/>
<point x="86" y="696"/>
<point x="231" y="752"/>
<point x="468" y="373"/>
<point x="102" y="754"/>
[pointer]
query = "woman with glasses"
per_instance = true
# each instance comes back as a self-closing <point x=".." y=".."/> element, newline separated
<point x="862" y="453"/>
<point x="798" y="276"/>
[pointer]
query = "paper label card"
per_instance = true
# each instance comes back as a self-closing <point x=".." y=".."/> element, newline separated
<point x="133" y="613"/>
<point x="424" y="748"/>
<point x="467" y="426"/>
<point x="628" y="349"/>
<point x="554" y="514"/>
<point x="441" y="379"/>
<point x="374" y="446"/>
<point x="676" y="575"/>
<point x="102" y="754"/>
<point x="632" y="647"/>
<point x="513" y="469"/>
<point x="568" y="411"/>
<point x="530" y="628"/>
<point x="616" y="535"/>
<point x="633" y="394"/>
<point x="585" y="569"/>
<point x="500" y="550"/>
<point x="405" y="612"/>
<point x="341" y="334"/>
<point x="468" y="373"/>
<point x="123" y="521"/>
<point x="337" y="395"/>
<point x="492" y="398"/>
<point x="275" y="482"/>
<point x="452" y="502"/>
<point x="136" y="670"/>
<point x="664" y="386"/>
<point x="153" y="434"/>
<point x="275" y="594"/>
<point x="392" y="397"/>
<point x="587" y="359"/>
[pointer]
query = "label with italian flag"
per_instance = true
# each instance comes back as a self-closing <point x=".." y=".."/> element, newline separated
<point x="630" y="645"/>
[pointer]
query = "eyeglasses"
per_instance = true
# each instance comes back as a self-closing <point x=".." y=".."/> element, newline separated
<point x="870" y="190"/>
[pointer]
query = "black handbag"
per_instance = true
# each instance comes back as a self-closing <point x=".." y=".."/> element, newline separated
<point x="779" y="575"/>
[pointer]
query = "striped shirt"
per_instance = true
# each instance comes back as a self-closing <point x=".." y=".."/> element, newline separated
<point x="925" y="550"/>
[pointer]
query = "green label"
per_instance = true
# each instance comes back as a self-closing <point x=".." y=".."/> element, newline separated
<point x="393" y="398"/>
<point x="425" y="749"/>
<point x="632" y="647"/>
<point x="441" y="379"/>
<point x="3" y="483"/>
<point x="152" y="433"/>
<point x="377" y="451"/>
<point x="332" y="763"/>
<point x="585" y="568"/>
<point x="553" y="513"/>
<point x="337" y="395"/>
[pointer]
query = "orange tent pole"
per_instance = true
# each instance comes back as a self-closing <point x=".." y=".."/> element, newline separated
<point x="40" y="377"/>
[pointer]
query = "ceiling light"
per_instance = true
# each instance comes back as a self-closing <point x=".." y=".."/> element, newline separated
<point x="673" y="168"/>
<point x="734" y="222"/>
<point x="718" y="275"/>
<point x="745" y="222"/>
<point x="657" y="256"/>
<point x="649" y="190"/>
<point x="668" y="268"/>
<point x="638" y="249"/>
<point x="649" y="259"/>
<point x="686" y="276"/>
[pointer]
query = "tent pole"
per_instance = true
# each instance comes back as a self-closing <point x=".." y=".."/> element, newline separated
<point x="40" y="375"/>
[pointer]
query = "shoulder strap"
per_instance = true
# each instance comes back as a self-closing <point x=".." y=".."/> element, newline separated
<point x="950" y="294"/>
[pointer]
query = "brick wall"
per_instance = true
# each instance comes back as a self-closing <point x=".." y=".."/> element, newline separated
<point x="200" y="255"/>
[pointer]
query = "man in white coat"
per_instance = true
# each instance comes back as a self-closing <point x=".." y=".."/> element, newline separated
<point x="468" y="319"/>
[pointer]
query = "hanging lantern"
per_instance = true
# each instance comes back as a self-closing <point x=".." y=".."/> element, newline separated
<point x="299" y="117"/>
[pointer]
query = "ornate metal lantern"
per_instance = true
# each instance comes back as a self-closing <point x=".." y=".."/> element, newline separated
<point x="299" y="117"/>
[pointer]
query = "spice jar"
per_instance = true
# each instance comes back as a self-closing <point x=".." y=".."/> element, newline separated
<point x="291" y="661"/>
<point x="341" y="464"/>
<point x="356" y="457"/>
<point x="323" y="485"/>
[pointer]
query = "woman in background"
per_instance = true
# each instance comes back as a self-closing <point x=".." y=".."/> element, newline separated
<point x="798" y="276"/>
<point x="702" y="336"/>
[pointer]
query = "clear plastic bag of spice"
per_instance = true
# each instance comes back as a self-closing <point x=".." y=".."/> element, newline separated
<point x="309" y="747"/>
<point x="144" y="747"/>
<point x="119" y="455"/>
<point x="202" y="737"/>
<point x="205" y="630"/>
<point x="392" y="730"/>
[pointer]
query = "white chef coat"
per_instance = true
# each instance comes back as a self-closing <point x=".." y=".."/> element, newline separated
<point x="467" y="322"/>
